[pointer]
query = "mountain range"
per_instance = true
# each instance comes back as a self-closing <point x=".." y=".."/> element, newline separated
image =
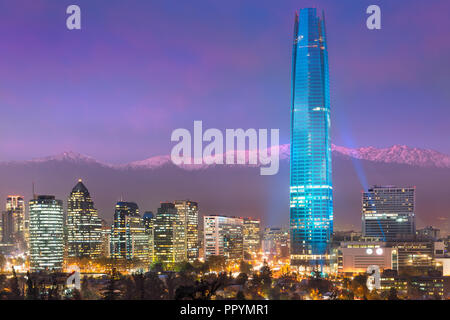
<point x="399" y="154"/>
<point x="239" y="189"/>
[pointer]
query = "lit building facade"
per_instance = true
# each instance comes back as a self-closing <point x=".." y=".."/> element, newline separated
<point x="223" y="237"/>
<point x="7" y="227"/>
<point x="355" y="257"/>
<point x="14" y="220"/>
<point x="149" y="225"/>
<point x="252" y="236"/>
<point x="84" y="227"/>
<point x="106" y="239"/>
<point x="415" y="254"/>
<point x="169" y="238"/>
<point x="388" y="213"/>
<point x="188" y="214"/>
<point x="424" y="287"/>
<point x="429" y="233"/>
<point x="46" y="233"/>
<point x="137" y="239"/>
<point x="275" y="242"/>
<point x="311" y="192"/>
<point x="129" y="239"/>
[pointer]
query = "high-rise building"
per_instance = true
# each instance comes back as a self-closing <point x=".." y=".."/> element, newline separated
<point x="188" y="213"/>
<point x="252" y="237"/>
<point x="84" y="227"/>
<point x="311" y="198"/>
<point x="149" y="224"/>
<point x="118" y="239"/>
<point x="46" y="233"/>
<point x="223" y="236"/>
<point x="7" y="227"/>
<point x="106" y="239"/>
<point x="129" y="240"/>
<point x="15" y="216"/>
<point x="169" y="237"/>
<point x="276" y="242"/>
<point x="388" y="213"/>
<point x="429" y="233"/>
<point x="415" y="254"/>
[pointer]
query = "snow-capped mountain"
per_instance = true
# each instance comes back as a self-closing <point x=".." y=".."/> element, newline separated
<point x="67" y="156"/>
<point x="399" y="154"/>
<point x="238" y="189"/>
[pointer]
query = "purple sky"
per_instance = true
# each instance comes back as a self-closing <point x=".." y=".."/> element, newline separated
<point x="139" y="69"/>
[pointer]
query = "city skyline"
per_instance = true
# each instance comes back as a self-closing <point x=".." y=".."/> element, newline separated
<point x="327" y="219"/>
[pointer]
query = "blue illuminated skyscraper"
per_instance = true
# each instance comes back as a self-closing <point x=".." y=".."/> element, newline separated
<point x="311" y="193"/>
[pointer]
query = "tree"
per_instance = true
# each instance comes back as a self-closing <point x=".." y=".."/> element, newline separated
<point x="241" y="279"/>
<point x="171" y="282"/>
<point x="87" y="292"/>
<point x="275" y="293"/>
<point x="16" y="293"/>
<point x="245" y="267"/>
<point x="157" y="267"/>
<point x="359" y="286"/>
<point x="130" y="289"/>
<point x="155" y="285"/>
<point x="112" y="291"/>
<point x="266" y="278"/>
<point x="392" y="294"/>
<point x="217" y="263"/>
<point x="240" y="295"/>
<point x="2" y="262"/>
<point x="184" y="267"/>
<point x="32" y="289"/>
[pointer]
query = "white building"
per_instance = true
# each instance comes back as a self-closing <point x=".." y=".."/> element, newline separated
<point x="223" y="236"/>
<point x="46" y="233"/>
<point x="355" y="257"/>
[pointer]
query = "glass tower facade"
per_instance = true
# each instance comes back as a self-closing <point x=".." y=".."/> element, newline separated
<point x="169" y="236"/>
<point x="311" y="198"/>
<point x="188" y="213"/>
<point x="388" y="213"/>
<point x="84" y="227"/>
<point x="46" y="234"/>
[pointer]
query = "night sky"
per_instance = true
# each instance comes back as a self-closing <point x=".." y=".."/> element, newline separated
<point x="140" y="69"/>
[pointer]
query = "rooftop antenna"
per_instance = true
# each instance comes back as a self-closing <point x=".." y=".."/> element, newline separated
<point x="34" y="194"/>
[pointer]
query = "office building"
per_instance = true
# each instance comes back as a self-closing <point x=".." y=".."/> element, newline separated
<point x="188" y="214"/>
<point x="355" y="257"/>
<point x="223" y="237"/>
<point x="311" y="191"/>
<point x="415" y="254"/>
<point x="275" y="242"/>
<point x="149" y="225"/>
<point x="388" y="213"/>
<point x="7" y="227"/>
<point x="46" y="233"/>
<point x="429" y="233"/>
<point x="251" y="237"/>
<point x="84" y="227"/>
<point x="14" y="220"/>
<point x="169" y="237"/>
<point x="129" y="239"/>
